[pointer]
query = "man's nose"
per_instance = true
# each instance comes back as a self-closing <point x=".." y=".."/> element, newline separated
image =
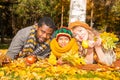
<point x="44" y="35"/>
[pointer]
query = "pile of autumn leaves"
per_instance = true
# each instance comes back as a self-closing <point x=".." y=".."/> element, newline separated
<point x="42" y="70"/>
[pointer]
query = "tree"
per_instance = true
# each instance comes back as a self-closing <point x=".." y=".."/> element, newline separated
<point x="5" y="18"/>
<point x="101" y="13"/>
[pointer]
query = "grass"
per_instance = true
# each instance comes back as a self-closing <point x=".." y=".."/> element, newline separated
<point x="4" y="46"/>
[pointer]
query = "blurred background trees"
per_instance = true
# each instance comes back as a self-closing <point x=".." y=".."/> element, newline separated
<point x="104" y="15"/>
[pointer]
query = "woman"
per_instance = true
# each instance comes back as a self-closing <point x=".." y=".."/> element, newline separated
<point x="90" y="43"/>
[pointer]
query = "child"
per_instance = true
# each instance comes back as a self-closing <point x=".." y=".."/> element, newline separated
<point x="62" y="45"/>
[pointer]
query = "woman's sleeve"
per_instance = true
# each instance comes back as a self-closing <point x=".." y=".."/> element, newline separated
<point x="105" y="57"/>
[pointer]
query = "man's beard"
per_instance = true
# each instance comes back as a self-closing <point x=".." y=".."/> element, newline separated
<point x="41" y="42"/>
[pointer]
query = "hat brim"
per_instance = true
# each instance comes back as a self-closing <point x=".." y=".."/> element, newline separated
<point x="78" y="23"/>
<point x="62" y="34"/>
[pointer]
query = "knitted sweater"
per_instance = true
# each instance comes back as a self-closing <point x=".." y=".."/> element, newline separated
<point x="19" y="41"/>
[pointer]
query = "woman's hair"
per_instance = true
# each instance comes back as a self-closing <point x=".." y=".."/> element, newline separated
<point x="92" y="34"/>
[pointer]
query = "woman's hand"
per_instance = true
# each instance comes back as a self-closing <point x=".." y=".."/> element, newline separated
<point x="91" y="43"/>
<point x="88" y="44"/>
<point x="98" y="41"/>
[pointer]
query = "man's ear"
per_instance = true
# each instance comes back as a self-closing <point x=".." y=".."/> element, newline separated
<point x="36" y="26"/>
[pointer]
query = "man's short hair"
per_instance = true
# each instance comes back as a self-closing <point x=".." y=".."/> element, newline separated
<point x="47" y="21"/>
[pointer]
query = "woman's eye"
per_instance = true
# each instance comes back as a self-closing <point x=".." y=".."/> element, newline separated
<point x="74" y="35"/>
<point x="80" y="30"/>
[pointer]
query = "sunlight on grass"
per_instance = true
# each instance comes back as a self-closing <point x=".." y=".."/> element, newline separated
<point x="4" y="46"/>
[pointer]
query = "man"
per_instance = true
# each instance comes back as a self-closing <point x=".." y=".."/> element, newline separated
<point x="32" y="40"/>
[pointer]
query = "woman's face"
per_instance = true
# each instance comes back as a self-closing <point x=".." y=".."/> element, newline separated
<point x="80" y="33"/>
<point x="63" y="41"/>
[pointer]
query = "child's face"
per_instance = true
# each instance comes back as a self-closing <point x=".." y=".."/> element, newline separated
<point x="80" y="33"/>
<point x="63" y="41"/>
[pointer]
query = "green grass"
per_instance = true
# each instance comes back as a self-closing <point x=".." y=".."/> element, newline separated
<point x="4" y="46"/>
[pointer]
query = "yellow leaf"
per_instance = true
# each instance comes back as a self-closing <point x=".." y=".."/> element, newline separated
<point x="1" y="73"/>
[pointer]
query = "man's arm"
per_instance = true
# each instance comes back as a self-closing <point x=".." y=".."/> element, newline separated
<point x="18" y="43"/>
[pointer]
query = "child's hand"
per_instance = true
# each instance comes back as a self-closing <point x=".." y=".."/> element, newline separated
<point x="60" y="61"/>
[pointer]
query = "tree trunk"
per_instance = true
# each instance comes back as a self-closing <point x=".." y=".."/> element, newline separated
<point x="62" y="16"/>
<point x="77" y="10"/>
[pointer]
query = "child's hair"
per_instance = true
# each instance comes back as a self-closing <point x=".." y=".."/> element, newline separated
<point x="64" y="31"/>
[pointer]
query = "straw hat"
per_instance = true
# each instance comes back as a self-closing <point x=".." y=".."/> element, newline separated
<point x="78" y="23"/>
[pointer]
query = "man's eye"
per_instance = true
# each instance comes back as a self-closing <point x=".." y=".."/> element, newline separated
<point x="49" y="35"/>
<point x="42" y="31"/>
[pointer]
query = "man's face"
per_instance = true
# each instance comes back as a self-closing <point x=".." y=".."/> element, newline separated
<point x="44" y="33"/>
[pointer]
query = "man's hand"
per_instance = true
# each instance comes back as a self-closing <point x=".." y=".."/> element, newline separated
<point x="6" y="60"/>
